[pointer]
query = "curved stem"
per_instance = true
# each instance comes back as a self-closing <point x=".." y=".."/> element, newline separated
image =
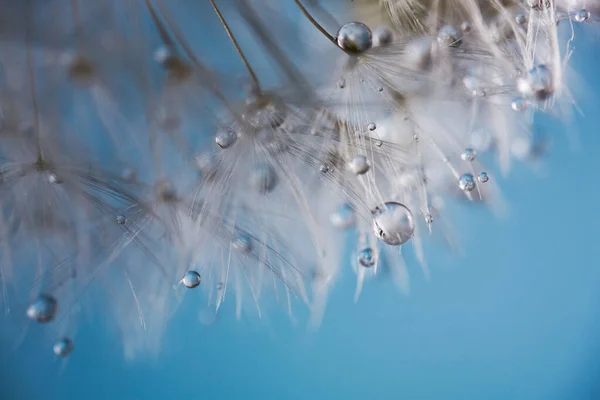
<point x="315" y="23"/>
<point x="236" y="45"/>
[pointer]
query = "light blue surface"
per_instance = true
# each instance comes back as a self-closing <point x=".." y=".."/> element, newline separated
<point x="517" y="317"/>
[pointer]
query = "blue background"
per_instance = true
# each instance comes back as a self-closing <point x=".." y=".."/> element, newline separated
<point x="515" y="317"/>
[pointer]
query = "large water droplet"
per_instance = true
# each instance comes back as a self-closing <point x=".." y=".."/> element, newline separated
<point x="191" y="279"/>
<point x="354" y="37"/>
<point x="43" y="309"/>
<point x="393" y="223"/>
<point x="582" y="15"/>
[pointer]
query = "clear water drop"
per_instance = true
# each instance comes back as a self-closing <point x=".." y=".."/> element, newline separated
<point x="582" y="15"/>
<point x="519" y="104"/>
<point x="372" y="126"/>
<point x="63" y="347"/>
<point x="468" y="154"/>
<point x="191" y="279"/>
<point x="354" y="37"/>
<point x="359" y="165"/>
<point x="120" y="219"/>
<point x="393" y="223"/>
<point x="466" y="183"/>
<point x="429" y="219"/>
<point x="366" y="258"/>
<point x="225" y="138"/>
<point x="483" y="177"/>
<point x="43" y="309"/>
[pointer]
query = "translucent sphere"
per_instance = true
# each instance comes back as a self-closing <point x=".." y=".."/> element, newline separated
<point x="468" y="154"/>
<point x="393" y="223"/>
<point x="519" y="104"/>
<point x="191" y="279"/>
<point x="582" y="15"/>
<point x="366" y="258"/>
<point x="63" y="347"/>
<point x="263" y="178"/>
<point x="483" y="177"/>
<point x="242" y="243"/>
<point x="466" y="183"/>
<point x="539" y="5"/>
<point x="324" y="168"/>
<point x="521" y="18"/>
<point x="383" y="37"/>
<point x="449" y="36"/>
<point x="43" y="309"/>
<point x="359" y="165"/>
<point x="343" y="217"/>
<point x="429" y="219"/>
<point x="372" y="126"/>
<point x="225" y="138"/>
<point x="537" y="84"/>
<point x="355" y="38"/>
<point x="120" y="219"/>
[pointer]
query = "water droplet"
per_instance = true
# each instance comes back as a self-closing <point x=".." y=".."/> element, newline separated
<point x="383" y="36"/>
<point x="342" y="83"/>
<point x="393" y="223"/>
<point x="324" y="168"/>
<point x="468" y="154"/>
<point x="344" y="217"/>
<point x="380" y="89"/>
<point x="466" y="182"/>
<point x="263" y="178"/>
<point x="242" y="243"/>
<point x="582" y="15"/>
<point x="359" y="165"/>
<point x="483" y="177"/>
<point x="372" y="126"/>
<point x="225" y="138"/>
<point x="191" y="279"/>
<point x="537" y="84"/>
<point x="449" y="36"/>
<point x="366" y="258"/>
<point x="521" y="18"/>
<point x="519" y="104"/>
<point x="354" y="37"/>
<point x="63" y="347"/>
<point x="120" y="219"/>
<point x="429" y="219"/>
<point x="43" y="309"/>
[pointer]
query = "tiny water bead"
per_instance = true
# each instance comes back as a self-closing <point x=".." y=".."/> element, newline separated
<point x="324" y="168"/>
<point x="191" y="279"/>
<point x="263" y="178"/>
<point x="63" y="347"/>
<point x="582" y="15"/>
<point x="343" y="217"/>
<point x="519" y="104"/>
<point x="366" y="258"/>
<point x="43" y="309"/>
<point x="242" y="243"/>
<point x="521" y="18"/>
<point x="225" y="138"/>
<point x="466" y="183"/>
<point x="483" y="177"/>
<point x="120" y="219"/>
<point x="342" y="83"/>
<point x="449" y="36"/>
<point x="372" y="126"/>
<point x="359" y="165"/>
<point x="393" y="223"/>
<point x="468" y="154"/>
<point x="354" y="38"/>
<point x="429" y="219"/>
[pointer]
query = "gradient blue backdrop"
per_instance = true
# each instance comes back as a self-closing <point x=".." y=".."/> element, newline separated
<point x="516" y="317"/>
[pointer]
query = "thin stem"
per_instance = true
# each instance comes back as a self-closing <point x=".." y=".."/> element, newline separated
<point x="236" y="45"/>
<point x="31" y="73"/>
<point x="315" y="23"/>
